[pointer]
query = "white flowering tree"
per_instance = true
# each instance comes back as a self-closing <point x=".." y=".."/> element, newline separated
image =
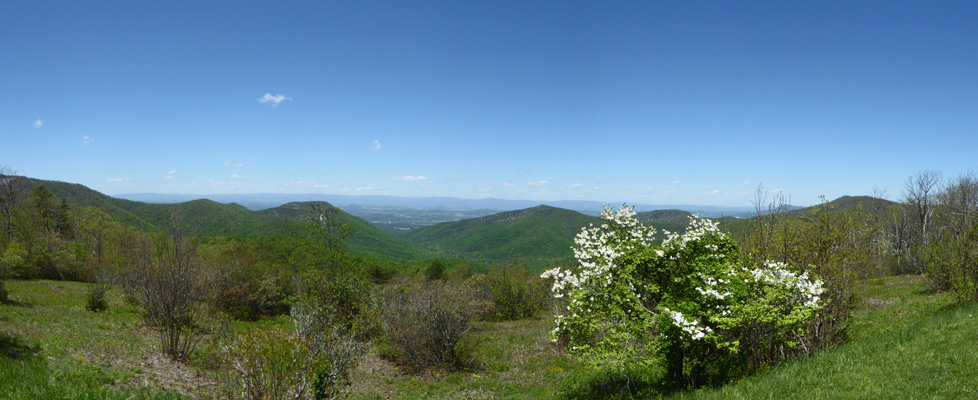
<point x="691" y="304"/>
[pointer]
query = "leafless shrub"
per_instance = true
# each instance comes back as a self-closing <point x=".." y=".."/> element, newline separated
<point x="169" y="284"/>
<point x="425" y="323"/>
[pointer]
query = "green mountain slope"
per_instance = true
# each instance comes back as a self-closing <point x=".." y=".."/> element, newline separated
<point x="542" y="235"/>
<point x="368" y="239"/>
<point x="208" y="218"/>
<point x="665" y="220"/>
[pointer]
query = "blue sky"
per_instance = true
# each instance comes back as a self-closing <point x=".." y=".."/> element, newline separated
<point x="644" y="102"/>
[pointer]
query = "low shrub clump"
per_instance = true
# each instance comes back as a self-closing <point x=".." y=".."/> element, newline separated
<point x="314" y="361"/>
<point x="96" y="300"/>
<point x="424" y="324"/>
<point x="169" y="284"/>
<point x="516" y="292"/>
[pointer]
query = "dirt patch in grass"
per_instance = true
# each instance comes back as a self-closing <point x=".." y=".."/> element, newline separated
<point x="158" y="371"/>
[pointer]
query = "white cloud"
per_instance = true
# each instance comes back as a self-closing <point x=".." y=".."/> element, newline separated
<point x="409" y="178"/>
<point x="507" y="184"/>
<point x="172" y="171"/>
<point x="575" y="186"/>
<point x="168" y="177"/>
<point x="375" y="145"/>
<point x="236" y="176"/>
<point x="715" y="191"/>
<point x="747" y="182"/>
<point x="85" y="140"/>
<point x="273" y="100"/>
<point x="38" y="124"/>
<point x="169" y="174"/>
<point x="675" y="182"/>
<point x="779" y="190"/>
<point x="230" y="164"/>
<point x="369" y="188"/>
<point x="541" y="183"/>
<point x="113" y="180"/>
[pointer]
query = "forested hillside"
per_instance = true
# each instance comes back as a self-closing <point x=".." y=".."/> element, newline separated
<point x="543" y="235"/>
<point x="204" y="217"/>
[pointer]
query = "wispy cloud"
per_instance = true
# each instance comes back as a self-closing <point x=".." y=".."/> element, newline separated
<point x="304" y="183"/>
<point x="230" y="164"/>
<point x="507" y="184"/>
<point x="169" y="174"/>
<point x="273" y="100"/>
<point x="575" y="186"/>
<point x="747" y="182"/>
<point x="113" y="180"/>
<point x="409" y="178"/>
<point x="778" y="190"/>
<point x="236" y="176"/>
<point x="540" y="184"/>
<point x="38" y="124"/>
<point x="375" y="145"/>
<point x="87" y="140"/>
<point x="369" y="187"/>
<point x="715" y="191"/>
<point x="675" y="182"/>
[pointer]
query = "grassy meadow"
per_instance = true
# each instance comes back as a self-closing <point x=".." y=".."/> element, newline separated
<point x="905" y="343"/>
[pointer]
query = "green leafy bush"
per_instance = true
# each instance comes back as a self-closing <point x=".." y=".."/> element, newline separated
<point x="312" y="362"/>
<point x="516" y="292"/>
<point x="692" y="305"/>
<point x="247" y="293"/>
<point x="952" y="254"/>
<point x="268" y="364"/>
<point x="95" y="300"/>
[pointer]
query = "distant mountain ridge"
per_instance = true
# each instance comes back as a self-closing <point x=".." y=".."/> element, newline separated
<point x="259" y="201"/>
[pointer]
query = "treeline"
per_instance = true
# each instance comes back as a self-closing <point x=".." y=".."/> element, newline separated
<point x="931" y="231"/>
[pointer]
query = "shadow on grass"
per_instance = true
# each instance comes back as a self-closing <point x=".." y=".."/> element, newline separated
<point x="13" y="347"/>
<point x="605" y="384"/>
<point x="15" y="303"/>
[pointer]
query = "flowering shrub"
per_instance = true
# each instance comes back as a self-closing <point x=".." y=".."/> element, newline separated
<point x="692" y="304"/>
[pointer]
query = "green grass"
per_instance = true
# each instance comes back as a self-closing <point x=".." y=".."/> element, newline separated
<point x="894" y="303"/>
<point x="31" y="378"/>
<point x="906" y="343"/>
<point x="934" y="358"/>
<point x="515" y="360"/>
<point x="111" y="348"/>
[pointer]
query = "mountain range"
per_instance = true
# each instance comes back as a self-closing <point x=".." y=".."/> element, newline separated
<point x="541" y="235"/>
<point x="259" y="201"/>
